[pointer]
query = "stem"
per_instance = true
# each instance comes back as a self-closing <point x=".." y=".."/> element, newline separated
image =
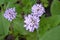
<point x="11" y="28"/>
<point x="38" y="37"/>
<point x="8" y="5"/>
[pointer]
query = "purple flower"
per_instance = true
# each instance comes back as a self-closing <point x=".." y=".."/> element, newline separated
<point x="38" y="9"/>
<point x="10" y="14"/>
<point x="31" y="22"/>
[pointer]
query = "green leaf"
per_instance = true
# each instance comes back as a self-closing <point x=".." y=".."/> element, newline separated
<point x="2" y="37"/>
<point x="4" y="25"/>
<point x="27" y="9"/>
<point x="16" y="38"/>
<point x="55" y="7"/>
<point x="11" y="1"/>
<point x="48" y="23"/>
<point x="9" y="4"/>
<point x="54" y="20"/>
<point x="19" y="26"/>
<point x="53" y="34"/>
<point x="18" y="9"/>
<point x="1" y="1"/>
<point x="45" y="2"/>
<point x="43" y="26"/>
<point x="27" y="4"/>
<point x="32" y="36"/>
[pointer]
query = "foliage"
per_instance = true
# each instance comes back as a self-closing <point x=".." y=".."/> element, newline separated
<point x="48" y="27"/>
<point x="52" y="34"/>
<point x="55" y="7"/>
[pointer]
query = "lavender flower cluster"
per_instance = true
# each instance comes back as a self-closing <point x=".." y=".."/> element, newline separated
<point x="10" y="14"/>
<point x="38" y="10"/>
<point x="32" y="20"/>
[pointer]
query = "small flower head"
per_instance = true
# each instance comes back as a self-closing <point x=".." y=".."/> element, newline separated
<point x="38" y="9"/>
<point x="31" y="22"/>
<point x="10" y="14"/>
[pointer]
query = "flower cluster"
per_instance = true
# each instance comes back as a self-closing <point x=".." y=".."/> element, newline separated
<point x="38" y="10"/>
<point x="10" y="14"/>
<point x="32" y="20"/>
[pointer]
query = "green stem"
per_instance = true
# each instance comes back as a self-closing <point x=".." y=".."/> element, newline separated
<point x="38" y="36"/>
<point x="8" y="5"/>
<point x="11" y="27"/>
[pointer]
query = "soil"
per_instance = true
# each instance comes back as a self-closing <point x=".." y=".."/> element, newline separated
<point x="0" y="8"/>
<point x="9" y="37"/>
<point x="21" y="38"/>
<point x="47" y="9"/>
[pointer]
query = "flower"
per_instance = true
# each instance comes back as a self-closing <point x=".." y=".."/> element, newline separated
<point x="31" y="22"/>
<point x="10" y="14"/>
<point x="38" y="9"/>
